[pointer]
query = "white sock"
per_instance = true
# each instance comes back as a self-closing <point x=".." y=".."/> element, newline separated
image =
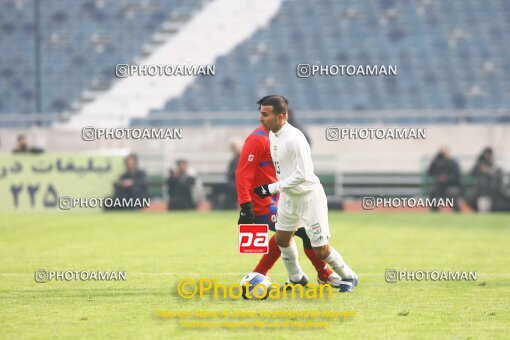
<point x="338" y="265"/>
<point x="290" y="259"/>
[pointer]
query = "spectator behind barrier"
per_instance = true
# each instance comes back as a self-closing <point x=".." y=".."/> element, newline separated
<point x="236" y="146"/>
<point x="184" y="188"/>
<point x="447" y="178"/>
<point x="133" y="183"/>
<point x="489" y="193"/>
<point x="22" y="146"/>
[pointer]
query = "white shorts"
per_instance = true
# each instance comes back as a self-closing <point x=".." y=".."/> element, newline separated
<point x="309" y="211"/>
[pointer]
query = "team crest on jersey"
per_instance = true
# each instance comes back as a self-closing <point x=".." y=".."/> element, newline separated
<point x="316" y="228"/>
<point x="251" y="157"/>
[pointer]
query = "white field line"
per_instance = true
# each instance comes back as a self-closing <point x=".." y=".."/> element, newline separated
<point x="183" y="274"/>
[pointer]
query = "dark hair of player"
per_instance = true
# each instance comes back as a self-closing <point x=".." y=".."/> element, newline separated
<point x="279" y="103"/>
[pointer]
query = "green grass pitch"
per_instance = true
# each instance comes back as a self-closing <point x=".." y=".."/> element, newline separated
<point x="156" y="250"/>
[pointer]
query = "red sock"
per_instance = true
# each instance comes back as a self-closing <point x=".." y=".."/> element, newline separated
<point x="320" y="265"/>
<point x="268" y="260"/>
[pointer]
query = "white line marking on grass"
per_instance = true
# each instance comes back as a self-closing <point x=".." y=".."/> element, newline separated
<point x="480" y="275"/>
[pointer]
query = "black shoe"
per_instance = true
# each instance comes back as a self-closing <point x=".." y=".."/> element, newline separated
<point x="289" y="283"/>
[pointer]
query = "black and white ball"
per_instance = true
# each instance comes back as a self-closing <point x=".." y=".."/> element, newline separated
<point x="258" y="286"/>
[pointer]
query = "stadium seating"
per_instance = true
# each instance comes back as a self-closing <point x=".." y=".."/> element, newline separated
<point x="450" y="55"/>
<point x="77" y="46"/>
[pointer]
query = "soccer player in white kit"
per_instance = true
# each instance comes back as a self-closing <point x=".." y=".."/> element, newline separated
<point x="302" y="198"/>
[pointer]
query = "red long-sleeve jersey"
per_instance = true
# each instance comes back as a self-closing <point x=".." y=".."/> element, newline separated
<point x="255" y="168"/>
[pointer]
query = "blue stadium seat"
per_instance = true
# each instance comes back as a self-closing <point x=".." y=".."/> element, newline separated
<point x="435" y="68"/>
<point x="440" y="52"/>
<point x="78" y="45"/>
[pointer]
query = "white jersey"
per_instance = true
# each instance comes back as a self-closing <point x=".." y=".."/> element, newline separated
<point x="292" y="161"/>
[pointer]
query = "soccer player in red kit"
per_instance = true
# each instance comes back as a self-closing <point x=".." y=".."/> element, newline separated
<point x="256" y="168"/>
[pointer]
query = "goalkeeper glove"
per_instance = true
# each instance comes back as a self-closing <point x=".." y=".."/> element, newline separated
<point x="247" y="216"/>
<point x="262" y="191"/>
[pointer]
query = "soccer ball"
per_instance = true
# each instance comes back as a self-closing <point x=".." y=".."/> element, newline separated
<point x="256" y="290"/>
